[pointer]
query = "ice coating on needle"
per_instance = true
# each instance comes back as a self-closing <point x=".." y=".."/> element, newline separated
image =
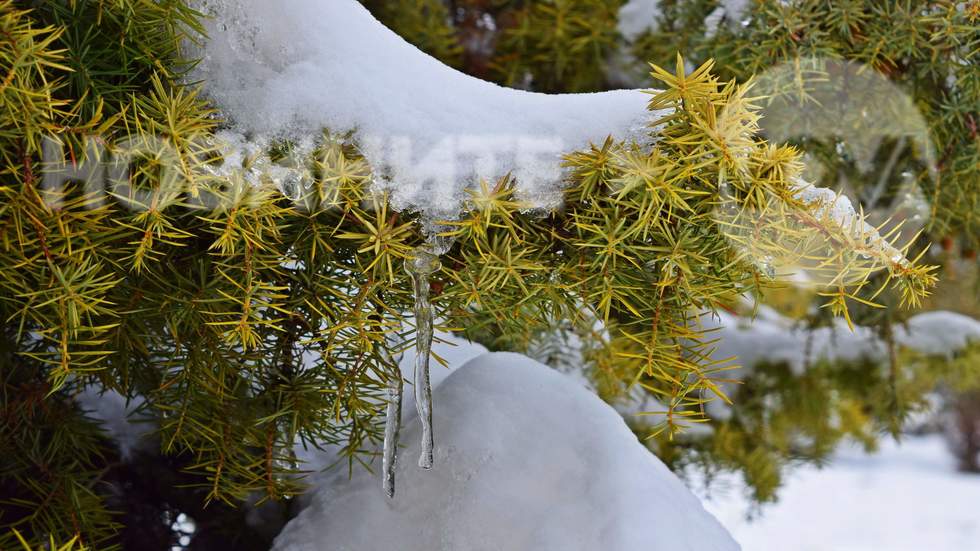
<point x="294" y="67"/>
<point x="839" y="208"/>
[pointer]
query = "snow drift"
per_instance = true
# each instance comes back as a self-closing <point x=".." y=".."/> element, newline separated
<point x="526" y="459"/>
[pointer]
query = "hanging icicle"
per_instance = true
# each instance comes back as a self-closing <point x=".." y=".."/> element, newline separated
<point x="393" y="423"/>
<point x="423" y="264"/>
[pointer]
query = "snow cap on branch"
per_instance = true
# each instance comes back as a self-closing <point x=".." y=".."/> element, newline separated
<point x="295" y="67"/>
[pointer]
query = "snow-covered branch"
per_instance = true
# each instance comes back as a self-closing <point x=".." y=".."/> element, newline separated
<point x="294" y="67"/>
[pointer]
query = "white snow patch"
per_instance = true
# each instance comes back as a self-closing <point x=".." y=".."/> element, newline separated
<point x="526" y="459"/>
<point x="839" y="208"/>
<point x="638" y="16"/>
<point x="939" y="333"/>
<point x="293" y="67"/>
<point x="118" y="418"/>
<point x="907" y="497"/>
<point x="732" y="11"/>
<point x="774" y="338"/>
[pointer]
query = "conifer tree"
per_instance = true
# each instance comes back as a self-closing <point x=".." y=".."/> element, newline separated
<point x="240" y="325"/>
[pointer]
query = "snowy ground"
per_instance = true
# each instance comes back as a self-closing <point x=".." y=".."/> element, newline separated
<point x="907" y="497"/>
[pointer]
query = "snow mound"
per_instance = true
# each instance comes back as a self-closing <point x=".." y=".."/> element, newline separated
<point x="526" y="459"/>
<point x="293" y="67"/>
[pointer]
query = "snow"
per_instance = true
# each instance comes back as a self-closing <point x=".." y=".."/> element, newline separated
<point x="289" y="69"/>
<point x="293" y="67"/>
<point x="939" y="333"/>
<point x="729" y="10"/>
<point x="526" y="459"/>
<point x="828" y="208"/>
<point x="907" y="497"/>
<point x="771" y="337"/>
<point x="118" y="417"/>
<point x="638" y="16"/>
<point x="774" y="338"/>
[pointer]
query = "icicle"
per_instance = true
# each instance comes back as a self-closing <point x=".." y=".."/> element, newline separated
<point x="393" y="424"/>
<point x="422" y="264"/>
